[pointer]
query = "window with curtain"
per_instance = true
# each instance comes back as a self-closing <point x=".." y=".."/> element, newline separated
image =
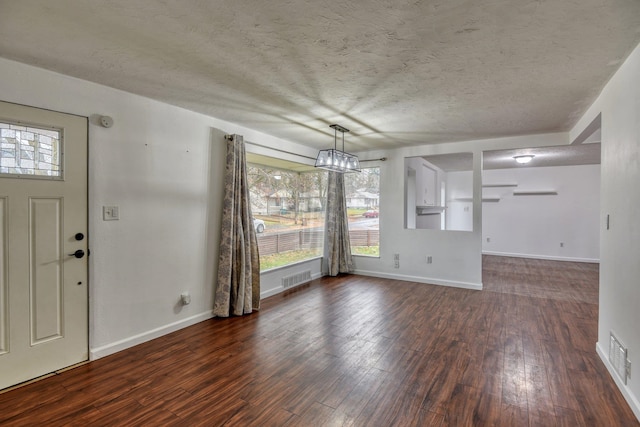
<point x="288" y="213"/>
<point x="363" y="202"/>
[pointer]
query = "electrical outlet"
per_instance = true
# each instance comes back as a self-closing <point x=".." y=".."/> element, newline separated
<point x="429" y="259"/>
<point x="562" y="244"/>
<point x="396" y="260"/>
<point x="488" y="239"/>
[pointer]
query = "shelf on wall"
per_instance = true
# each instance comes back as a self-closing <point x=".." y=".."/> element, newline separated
<point x="535" y="193"/>
<point x="484" y="199"/>
<point x="498" y="185"/>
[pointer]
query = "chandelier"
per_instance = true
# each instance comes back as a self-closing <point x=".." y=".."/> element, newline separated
<point x="335" y="160"/>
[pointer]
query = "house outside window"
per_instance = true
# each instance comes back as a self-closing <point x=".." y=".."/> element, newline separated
<point x="288" y="209"/>
<point x="363" y="202"/>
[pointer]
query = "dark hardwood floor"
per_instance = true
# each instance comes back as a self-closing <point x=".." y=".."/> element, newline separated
<point x="361" y="351"/>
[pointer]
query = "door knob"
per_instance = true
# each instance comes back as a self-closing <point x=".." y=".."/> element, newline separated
<point x="78" y="254"/>
<point x="79" y="236"/>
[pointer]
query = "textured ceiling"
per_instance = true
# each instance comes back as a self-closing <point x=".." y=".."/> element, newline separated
<point x="396" y="73"/>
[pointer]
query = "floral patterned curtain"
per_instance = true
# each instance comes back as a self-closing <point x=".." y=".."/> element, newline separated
<point x="337" y="246"/>
<point x="238" y="286"/>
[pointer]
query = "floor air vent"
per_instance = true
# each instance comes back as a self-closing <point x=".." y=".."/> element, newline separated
<point x="618" y="358"/>
<point x="296" y="279"/>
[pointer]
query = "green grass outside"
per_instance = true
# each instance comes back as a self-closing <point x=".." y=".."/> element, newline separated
<point x="356" y="211"/>
<point x="366" y="250"/>
<point x="268" y="262"/>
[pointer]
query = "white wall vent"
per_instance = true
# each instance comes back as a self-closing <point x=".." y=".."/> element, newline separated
<point x="618" y="358"/>
<point x="296" y="279"/>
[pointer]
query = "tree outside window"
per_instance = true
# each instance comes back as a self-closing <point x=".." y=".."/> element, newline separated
<point x="288" y="210"/>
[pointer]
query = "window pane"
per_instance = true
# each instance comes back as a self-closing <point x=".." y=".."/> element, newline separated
<point x="363" y="201"/>
<point x="288" y="211"/>
<point x="30" y="151"/>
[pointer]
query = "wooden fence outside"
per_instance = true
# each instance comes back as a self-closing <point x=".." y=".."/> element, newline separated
<point x="274" y="243"/>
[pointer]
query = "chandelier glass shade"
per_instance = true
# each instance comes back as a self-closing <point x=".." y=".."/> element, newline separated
<point x="337" y="160"/>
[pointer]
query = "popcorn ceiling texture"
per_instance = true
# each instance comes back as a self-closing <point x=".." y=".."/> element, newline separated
<point x="394" y="72"/>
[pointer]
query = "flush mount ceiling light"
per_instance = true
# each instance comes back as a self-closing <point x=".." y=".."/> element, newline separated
<point x="524" y="159"/>
<point x="335" y="160"/>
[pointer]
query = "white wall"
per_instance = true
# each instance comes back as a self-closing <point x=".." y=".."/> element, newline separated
<point x="619" y="104"/>
<point x="459" y="213"/>
<point x="163" y="166"/>
<point x="534" y="226"/>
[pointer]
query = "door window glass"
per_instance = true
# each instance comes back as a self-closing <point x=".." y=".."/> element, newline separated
<point x="30" y="151"/>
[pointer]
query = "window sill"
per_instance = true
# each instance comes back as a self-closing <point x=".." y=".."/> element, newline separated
<point x="282" y="267"/>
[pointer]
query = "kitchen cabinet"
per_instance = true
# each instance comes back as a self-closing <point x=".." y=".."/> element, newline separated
<point x="426" y="182"/>
<point x="427" y="186"/>
<point x="422" y="194"/>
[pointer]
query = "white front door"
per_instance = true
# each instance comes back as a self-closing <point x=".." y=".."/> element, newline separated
<point x="43" y="242"/>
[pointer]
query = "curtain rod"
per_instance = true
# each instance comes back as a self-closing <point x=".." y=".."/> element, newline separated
<point x="230" y="137"/>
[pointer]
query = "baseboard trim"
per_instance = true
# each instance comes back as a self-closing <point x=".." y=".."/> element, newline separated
<point x="106" y="350"/>
<point x="626" y="392"/>
<point x="419" y="279"/>
<point x="280" y="289"/>
<point x="547" y="257"/>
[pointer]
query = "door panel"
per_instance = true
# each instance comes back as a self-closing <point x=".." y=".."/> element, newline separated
<point x="46" y="297"/>
<point x="44" y="313"/>
<point x="4" y="285"/>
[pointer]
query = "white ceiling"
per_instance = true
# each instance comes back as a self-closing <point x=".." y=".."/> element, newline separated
<point x="583" y="154"/>
<point x="566" y="155"/>
<point x="402" y="72"/>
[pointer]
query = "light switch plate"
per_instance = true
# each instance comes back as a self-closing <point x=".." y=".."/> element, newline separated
<point x="110" y="213"/>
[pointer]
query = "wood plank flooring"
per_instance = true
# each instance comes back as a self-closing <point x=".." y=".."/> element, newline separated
<point x="360" y="351"/>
